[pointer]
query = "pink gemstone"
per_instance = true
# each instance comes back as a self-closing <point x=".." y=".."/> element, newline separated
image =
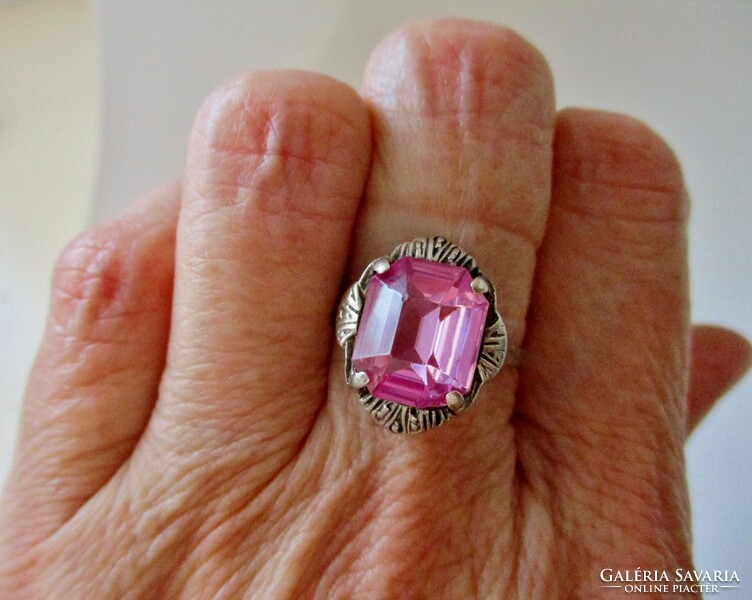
<point x="420" y="332"/>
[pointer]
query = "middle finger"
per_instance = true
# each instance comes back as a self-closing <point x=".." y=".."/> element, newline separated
<point x="462" y="115"/>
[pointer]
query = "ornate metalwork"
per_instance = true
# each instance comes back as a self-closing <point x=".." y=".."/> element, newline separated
<point x="400" y="418"/>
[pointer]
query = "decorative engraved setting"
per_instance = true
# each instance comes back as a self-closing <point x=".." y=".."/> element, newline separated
<point x="400" y="418"/>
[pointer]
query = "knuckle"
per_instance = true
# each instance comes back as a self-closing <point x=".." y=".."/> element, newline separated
<point x="263" y="136"/>
<point x="631" y="169"/>
<point x="86" y="281"/>
<point x="458" y="66"/>
<point x="486" y="95"/>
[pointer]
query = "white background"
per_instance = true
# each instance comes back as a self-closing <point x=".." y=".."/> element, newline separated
<point x="683" y="66"/>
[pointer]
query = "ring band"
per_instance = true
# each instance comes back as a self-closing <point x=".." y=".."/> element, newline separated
<point x="421" y="334"/>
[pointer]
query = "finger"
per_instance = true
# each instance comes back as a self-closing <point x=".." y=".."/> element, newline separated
<point x="601" y="409"/>
<point x="95" y="379"/>
<point x="276" y="168"/>
<point x="720" y="358"/>
<point x="463" y="119"/>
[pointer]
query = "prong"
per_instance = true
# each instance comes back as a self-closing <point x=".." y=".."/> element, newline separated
<point x="456" y="402"/>
<point x="480" y="285"/>
<point x="381" y="265"/>
<point x="358" y="380"/>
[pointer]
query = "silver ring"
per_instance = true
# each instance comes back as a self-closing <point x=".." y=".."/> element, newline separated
<point x="421" y="335"/>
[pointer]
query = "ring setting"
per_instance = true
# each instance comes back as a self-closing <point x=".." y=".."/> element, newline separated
<point x="421" y="334"/>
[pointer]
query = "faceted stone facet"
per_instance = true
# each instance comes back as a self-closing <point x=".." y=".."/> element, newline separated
<point x="420" y="332"/>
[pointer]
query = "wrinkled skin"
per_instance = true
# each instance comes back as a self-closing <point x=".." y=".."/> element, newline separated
<point x="187" y="433"/>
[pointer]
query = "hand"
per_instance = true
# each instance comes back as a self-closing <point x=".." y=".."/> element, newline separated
<point x="187" y="431"/>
